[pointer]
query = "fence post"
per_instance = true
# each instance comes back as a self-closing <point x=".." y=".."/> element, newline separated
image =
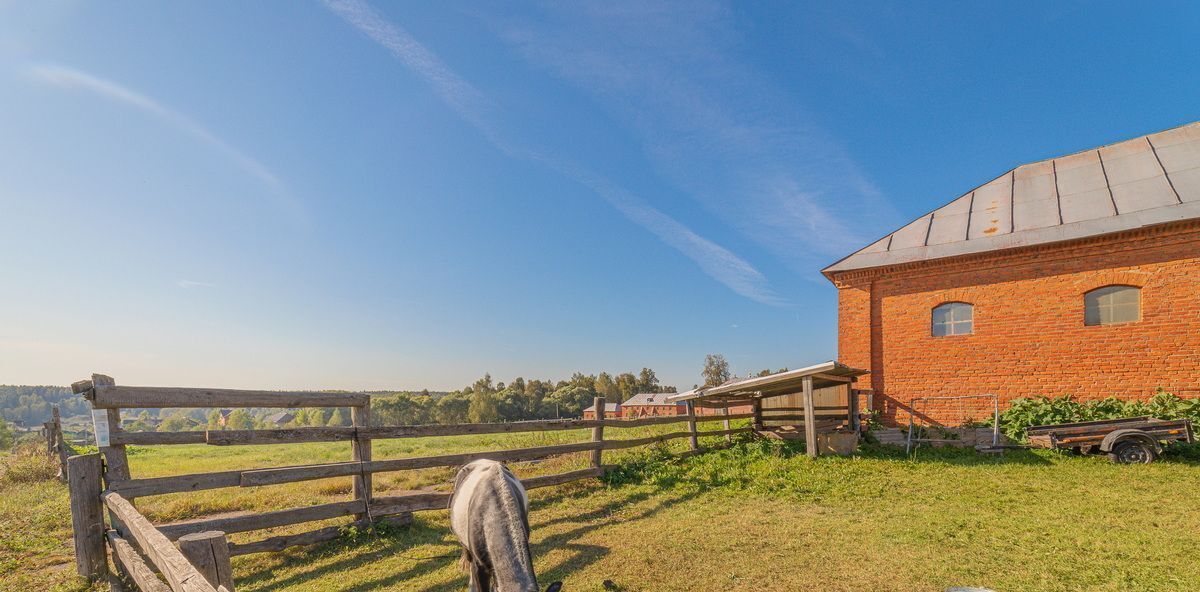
<point x="693" y="442"/>
<point x="758" y="418"/>
<point x="87" y="515"/>
<point x="360" y="448"/>
<point x="116" y="463"/>
<point x="725" y="423"/>
<point x="60" y="445"/>
<point x="598" y="432"/>
<point x="208" y="552"/>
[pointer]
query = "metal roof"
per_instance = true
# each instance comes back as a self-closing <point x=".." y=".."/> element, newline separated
<point x="650" y="399"/>
<point x="613" y="407"/>
<point x="772" y="385"/>
<point x="1148" y="180"/>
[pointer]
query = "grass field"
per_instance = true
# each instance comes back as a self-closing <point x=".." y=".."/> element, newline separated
<point x="759" y="516"/>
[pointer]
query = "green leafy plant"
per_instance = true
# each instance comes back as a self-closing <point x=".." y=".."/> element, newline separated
<point x="1023" y="413"/>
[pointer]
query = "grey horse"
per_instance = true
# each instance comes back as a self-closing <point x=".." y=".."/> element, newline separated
<point x="489" y="513"/>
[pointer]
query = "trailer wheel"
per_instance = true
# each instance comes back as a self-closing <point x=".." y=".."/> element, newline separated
<point x="1132" y="451"/>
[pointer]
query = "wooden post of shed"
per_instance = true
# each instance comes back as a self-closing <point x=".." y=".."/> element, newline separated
<point x="852" y="408"/>
<point x="693" y="441"/>
<point x="87" y="515"/>
<point x="598" y="432"/>
<point x="757" y="422"/>
<point x="360" y="449"/>
<point x="810" y="418"/>
<point x="208" y="552"/>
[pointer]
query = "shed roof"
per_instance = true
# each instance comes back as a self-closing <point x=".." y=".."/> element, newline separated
<point x="650" y="399"/>
<point x="824" y="374"/>
<point x="1148" y="180"/>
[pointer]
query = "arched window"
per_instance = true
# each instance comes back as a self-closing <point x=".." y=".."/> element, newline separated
<point x="953" y="318"/>
<point x="1111" y="305"/>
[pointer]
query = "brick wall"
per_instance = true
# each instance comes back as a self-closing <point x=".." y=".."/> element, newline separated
<point x="1029" y="338"/>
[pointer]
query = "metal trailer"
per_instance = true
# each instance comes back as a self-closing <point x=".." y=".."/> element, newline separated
<point x="1127" y="440"/>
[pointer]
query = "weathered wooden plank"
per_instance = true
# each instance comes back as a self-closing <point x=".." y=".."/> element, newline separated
<point x="263" y="520"/>
<point x="135" y="488"/>
<point x="621" y="444"/>
<point x="112" y="396"/>
<point x="279" y="436"/>
<point x="644" y="421"/>
<point x="87" y="515"/>
<point x="561" y="478"/>
<point x="176" y="569"/>
<point x="466" y="429"/>
<point x="209" y="553"/>
<point x="810" y="419"/>
<point x="154" y="438"/>
<point x="413" y="502"/>
<point x="130" y="563"/>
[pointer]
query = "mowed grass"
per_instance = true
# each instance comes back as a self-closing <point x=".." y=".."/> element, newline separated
<point x="759" y="516"/>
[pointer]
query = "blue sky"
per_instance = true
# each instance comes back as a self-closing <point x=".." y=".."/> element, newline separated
<point x="355" y="195"/>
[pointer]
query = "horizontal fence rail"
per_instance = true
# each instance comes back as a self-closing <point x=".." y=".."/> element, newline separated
<point x="201" y="562"/>
<point x="346" y="434"/>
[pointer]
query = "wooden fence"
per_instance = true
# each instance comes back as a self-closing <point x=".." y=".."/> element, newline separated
<point x="102" y="482"/>
<point x="56" y="446"/>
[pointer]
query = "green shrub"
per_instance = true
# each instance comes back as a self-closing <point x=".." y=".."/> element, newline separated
<point x="1023" y="413"/>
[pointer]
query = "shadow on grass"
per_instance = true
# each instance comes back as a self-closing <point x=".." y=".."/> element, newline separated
<point x="353" y="553"/>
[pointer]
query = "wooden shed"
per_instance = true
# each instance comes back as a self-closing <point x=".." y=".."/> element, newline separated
<point x="806" y="401"/>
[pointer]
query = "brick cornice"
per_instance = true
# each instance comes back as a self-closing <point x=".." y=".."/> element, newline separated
<point x="1184" y="231"/>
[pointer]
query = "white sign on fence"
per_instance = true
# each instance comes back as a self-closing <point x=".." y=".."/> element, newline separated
<point x="100" y="420"/>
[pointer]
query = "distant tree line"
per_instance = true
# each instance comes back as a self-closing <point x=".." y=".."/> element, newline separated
<point x="520" y="399"/>
<point x="30" y="405"/>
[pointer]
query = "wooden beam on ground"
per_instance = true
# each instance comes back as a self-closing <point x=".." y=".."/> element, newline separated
<point x="130" y="563"/>
<point x="810" y="419"/>
<point x="87" y="515"/>
<point x="263" y="520"/>
<point x="111" y="396"/>
<point x="176" y="569"/>
<point x="209" y="553"/>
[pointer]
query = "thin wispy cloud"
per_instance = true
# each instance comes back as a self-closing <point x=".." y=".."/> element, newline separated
<point x="478" y="110"/>
<point x="75" y="79"/>
<point x="715" y="128"/>
<point x="189" y="284"/>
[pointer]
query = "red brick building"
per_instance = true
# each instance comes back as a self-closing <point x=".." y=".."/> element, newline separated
<point x="651" y="405"/>
<point x="611" y="411"/>
<point x="1075" y="275"/>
